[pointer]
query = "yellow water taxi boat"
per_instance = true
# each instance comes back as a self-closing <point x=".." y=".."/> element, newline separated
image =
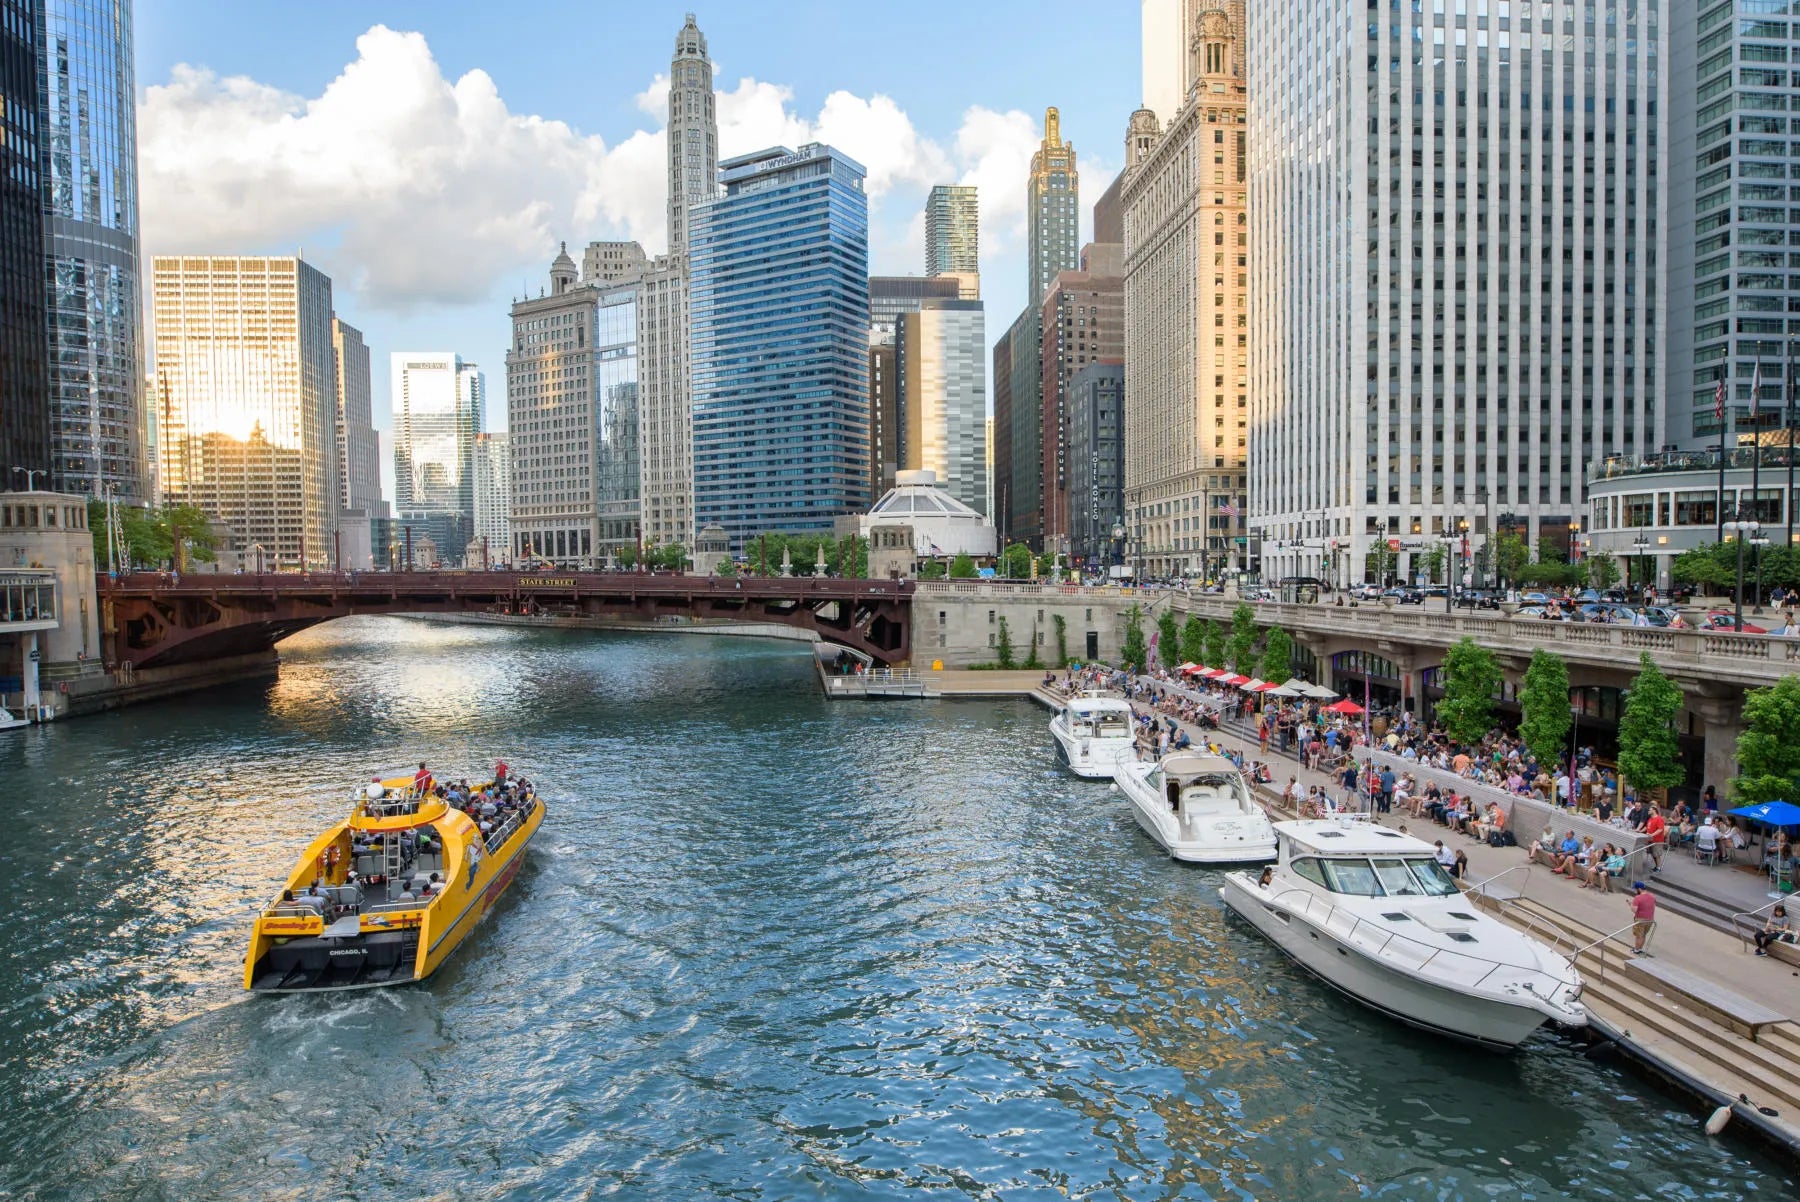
<point x="387" y="895"/>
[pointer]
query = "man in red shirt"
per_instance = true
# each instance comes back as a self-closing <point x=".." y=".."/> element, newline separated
<point x="1658" y="831"/>
<point x="1643" y="916"/>
<point x="422" y="779"/>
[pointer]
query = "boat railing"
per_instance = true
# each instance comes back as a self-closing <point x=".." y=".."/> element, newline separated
<point x="514" y="821"/>
<point x="389" y="907"/>
<point x="1431" y="955"/>
<point x="291" y="909"/>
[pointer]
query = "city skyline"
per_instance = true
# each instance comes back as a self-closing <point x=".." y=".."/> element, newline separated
<point x="203" y="91"/>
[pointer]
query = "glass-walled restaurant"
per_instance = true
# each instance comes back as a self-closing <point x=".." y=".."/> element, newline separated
<point x="1647" y="511"/>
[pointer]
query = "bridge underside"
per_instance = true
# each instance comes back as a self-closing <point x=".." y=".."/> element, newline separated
<point x="164" y="627"/>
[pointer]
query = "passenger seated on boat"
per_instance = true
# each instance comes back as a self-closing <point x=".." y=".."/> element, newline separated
<point x="406" y="893"/>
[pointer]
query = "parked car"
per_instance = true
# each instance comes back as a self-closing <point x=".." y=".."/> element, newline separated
<point x="1366" y="592"/>
<point x="1478" y="598"/>
<point x="1720" y="619"/>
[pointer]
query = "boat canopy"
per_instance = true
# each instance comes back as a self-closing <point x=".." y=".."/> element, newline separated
<point x="1349" y="837"/>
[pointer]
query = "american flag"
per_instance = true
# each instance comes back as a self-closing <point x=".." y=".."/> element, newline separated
<point x="1756" y="394"/>
<point x="1719" y="401"/>
<point x="1226" y="507"/>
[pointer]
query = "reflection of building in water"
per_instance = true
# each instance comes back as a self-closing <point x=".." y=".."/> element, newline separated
<point x="246" y="400"/>
<point x="49" y="623"/>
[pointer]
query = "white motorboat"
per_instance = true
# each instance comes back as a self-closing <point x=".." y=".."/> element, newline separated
<point x="1370" y="912"/>
<point x="1092" y="731"/>
<point x="8" y="721"/>
<point x="1198" y="806"/>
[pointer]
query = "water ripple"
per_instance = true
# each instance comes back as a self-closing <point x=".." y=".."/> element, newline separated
<point x="764" y="948"/>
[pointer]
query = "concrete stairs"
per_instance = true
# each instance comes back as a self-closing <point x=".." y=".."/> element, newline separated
<point x="1678" y="898"/>
<point x="1675" y="1027"/>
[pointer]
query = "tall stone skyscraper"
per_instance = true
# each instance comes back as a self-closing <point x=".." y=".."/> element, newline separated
<point x="1186" y="336"/>
<point x="87" y="121"/>
<point x="1456" y="303"/>
<point x="1052" y="209"/>
<point x="358" y="451"/>
<point x="953" y="237"/>
<point x="24" y="419"/>
<point x="667" y="414"/>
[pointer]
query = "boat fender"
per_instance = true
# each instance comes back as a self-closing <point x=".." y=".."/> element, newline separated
<point x="1717" y="1122"/>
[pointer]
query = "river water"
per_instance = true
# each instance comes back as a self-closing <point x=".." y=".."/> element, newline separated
<point x="765" y="947"/>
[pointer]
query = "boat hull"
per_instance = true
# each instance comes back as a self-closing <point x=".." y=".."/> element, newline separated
<point x="1097" y="763"/>
<point x="1191" y="851"/>
<point x="393" y="948"/>
<point x="1487" y="1022"/>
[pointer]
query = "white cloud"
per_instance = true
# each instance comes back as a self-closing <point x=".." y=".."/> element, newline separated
<point x="415" y="190"/>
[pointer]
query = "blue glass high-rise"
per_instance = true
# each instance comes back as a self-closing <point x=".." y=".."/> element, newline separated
<point x="780" y="310"/>
<point x="87" y="121"/>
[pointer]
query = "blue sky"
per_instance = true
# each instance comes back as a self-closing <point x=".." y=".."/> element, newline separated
<point x="430" y="156"/>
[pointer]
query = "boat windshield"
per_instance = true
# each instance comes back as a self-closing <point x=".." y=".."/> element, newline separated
<point x="1102" y="724"/>
<point x="1412" y="876"/>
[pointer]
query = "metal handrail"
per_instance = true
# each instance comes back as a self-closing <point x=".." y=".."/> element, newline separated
<point x="1480" y="887"/>
<point x="1602" y="941"/>
<point x="1743" y="939"/>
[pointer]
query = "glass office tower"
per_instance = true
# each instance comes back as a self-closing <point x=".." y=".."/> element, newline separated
<point x="780" y="309"/>
<point x="87" y="121"/>
<point x="24" y="425"/>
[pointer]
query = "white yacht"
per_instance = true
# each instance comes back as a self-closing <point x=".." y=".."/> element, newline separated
<point x="8" y="721"/>
<point x="1198" y="806"/>
<point x="1370" y="912"/>
<point x="1092" y="732"/>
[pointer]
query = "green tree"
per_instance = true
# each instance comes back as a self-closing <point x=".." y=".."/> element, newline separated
<point x="1133" y="651"/>
<point x="962" y="568"/>
<point x="1711" y="565"/>
<point x="1168" y="639"/>
<point x="727" y="567"/>
<point x="1015" y="562"/>
<point x="1213" y="635"/>
<point x="1510" y="556"/>
<point x="1062" y="640"/>
<point x="1549" y="575"/>
<point x="1649" y="756"/>
<point x="1241" y="649"/>
<point x="1544" y="717"/>
<point x="1003" y="648"/>
<point x="627" y="557"/>
<point x="1379" y="566"/>
<point x="149" y="534"/>
<point x="1768" y="751"/>
<point x="1549" y="552"/>
<point x="1031" y="656"/>
<point x="1602" y="569"/>
<point x="1471" y="675"/>
<point x="932" y="570"/>
<point x="1193" y="640"/>
<point x="1046" y="566"/>
<point x="1277" y="656"/>
<point x="1432" y="562"/>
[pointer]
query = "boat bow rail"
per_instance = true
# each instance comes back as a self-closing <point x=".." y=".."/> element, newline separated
<point x="1464" y="970"/>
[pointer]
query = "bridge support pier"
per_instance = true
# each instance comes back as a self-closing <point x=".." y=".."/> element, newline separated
<point x="1722" y="720"/>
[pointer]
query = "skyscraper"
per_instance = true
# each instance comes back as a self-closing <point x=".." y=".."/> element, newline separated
<point x="666" y="411"/>
<point x="1455" y="300"/>
<point x="24" y="419"/>
<point x="941" y="395"/>
<point x="438" y="410"/>
<point x="359" y="453"/>
<point x="246" y="401"/>
<point x="1052" y="209"/>
<point x="953" y="236"/>
<point x="573" y="413"/>
<point x="1186" y="328"/>
<point x="493" y="501"/>
<point x="1023" y="390"/>
<point x="87" y="121"/>
<point x="1083" y="322"/>
<point x="890" y="298"/>
<point x="1732" y="305"/>
<point x="780" y="308"/>
<point x="1096" y="462"/>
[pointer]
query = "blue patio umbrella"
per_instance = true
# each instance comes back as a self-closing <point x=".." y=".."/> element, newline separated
<point x="1771" y="813"/>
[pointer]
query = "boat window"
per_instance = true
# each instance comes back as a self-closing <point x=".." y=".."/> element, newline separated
<point x="1112" y="725"/>
<point x="1354" y="877"/>
<point x="1397" y="880"/>
<point x="1308" y="869"/>
<point x="1432" y="876"/>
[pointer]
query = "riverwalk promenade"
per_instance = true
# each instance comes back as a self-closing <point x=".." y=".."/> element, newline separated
<point x="1700" y="1011"/>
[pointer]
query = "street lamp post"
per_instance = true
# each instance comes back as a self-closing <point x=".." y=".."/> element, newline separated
<point x="1449" y="541"/>
<point x="1741" y="528"/>
<point x="1642" y="544"/>
<point x="31" y="474"/>
<point x="1758" y="540"/>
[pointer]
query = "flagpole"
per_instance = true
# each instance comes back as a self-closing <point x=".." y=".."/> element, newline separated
<point x="1719" y="415"/>
<point x="1755" y="446"/>
<point x="1787" y="502"/>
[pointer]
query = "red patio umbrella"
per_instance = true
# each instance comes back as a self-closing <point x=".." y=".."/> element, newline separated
<point x="1265" y="687"/>
<point x="1213" y="673"/>
<point x="1346" y="706"/>
<point x="1234" y="681"/>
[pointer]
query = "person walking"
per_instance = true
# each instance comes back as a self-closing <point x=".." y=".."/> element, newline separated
<point x="1643" y="916"/>
<point x="1658" y="830"/>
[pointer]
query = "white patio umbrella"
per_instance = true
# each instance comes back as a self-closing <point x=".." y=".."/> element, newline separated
<point x="1292" y="688"/>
